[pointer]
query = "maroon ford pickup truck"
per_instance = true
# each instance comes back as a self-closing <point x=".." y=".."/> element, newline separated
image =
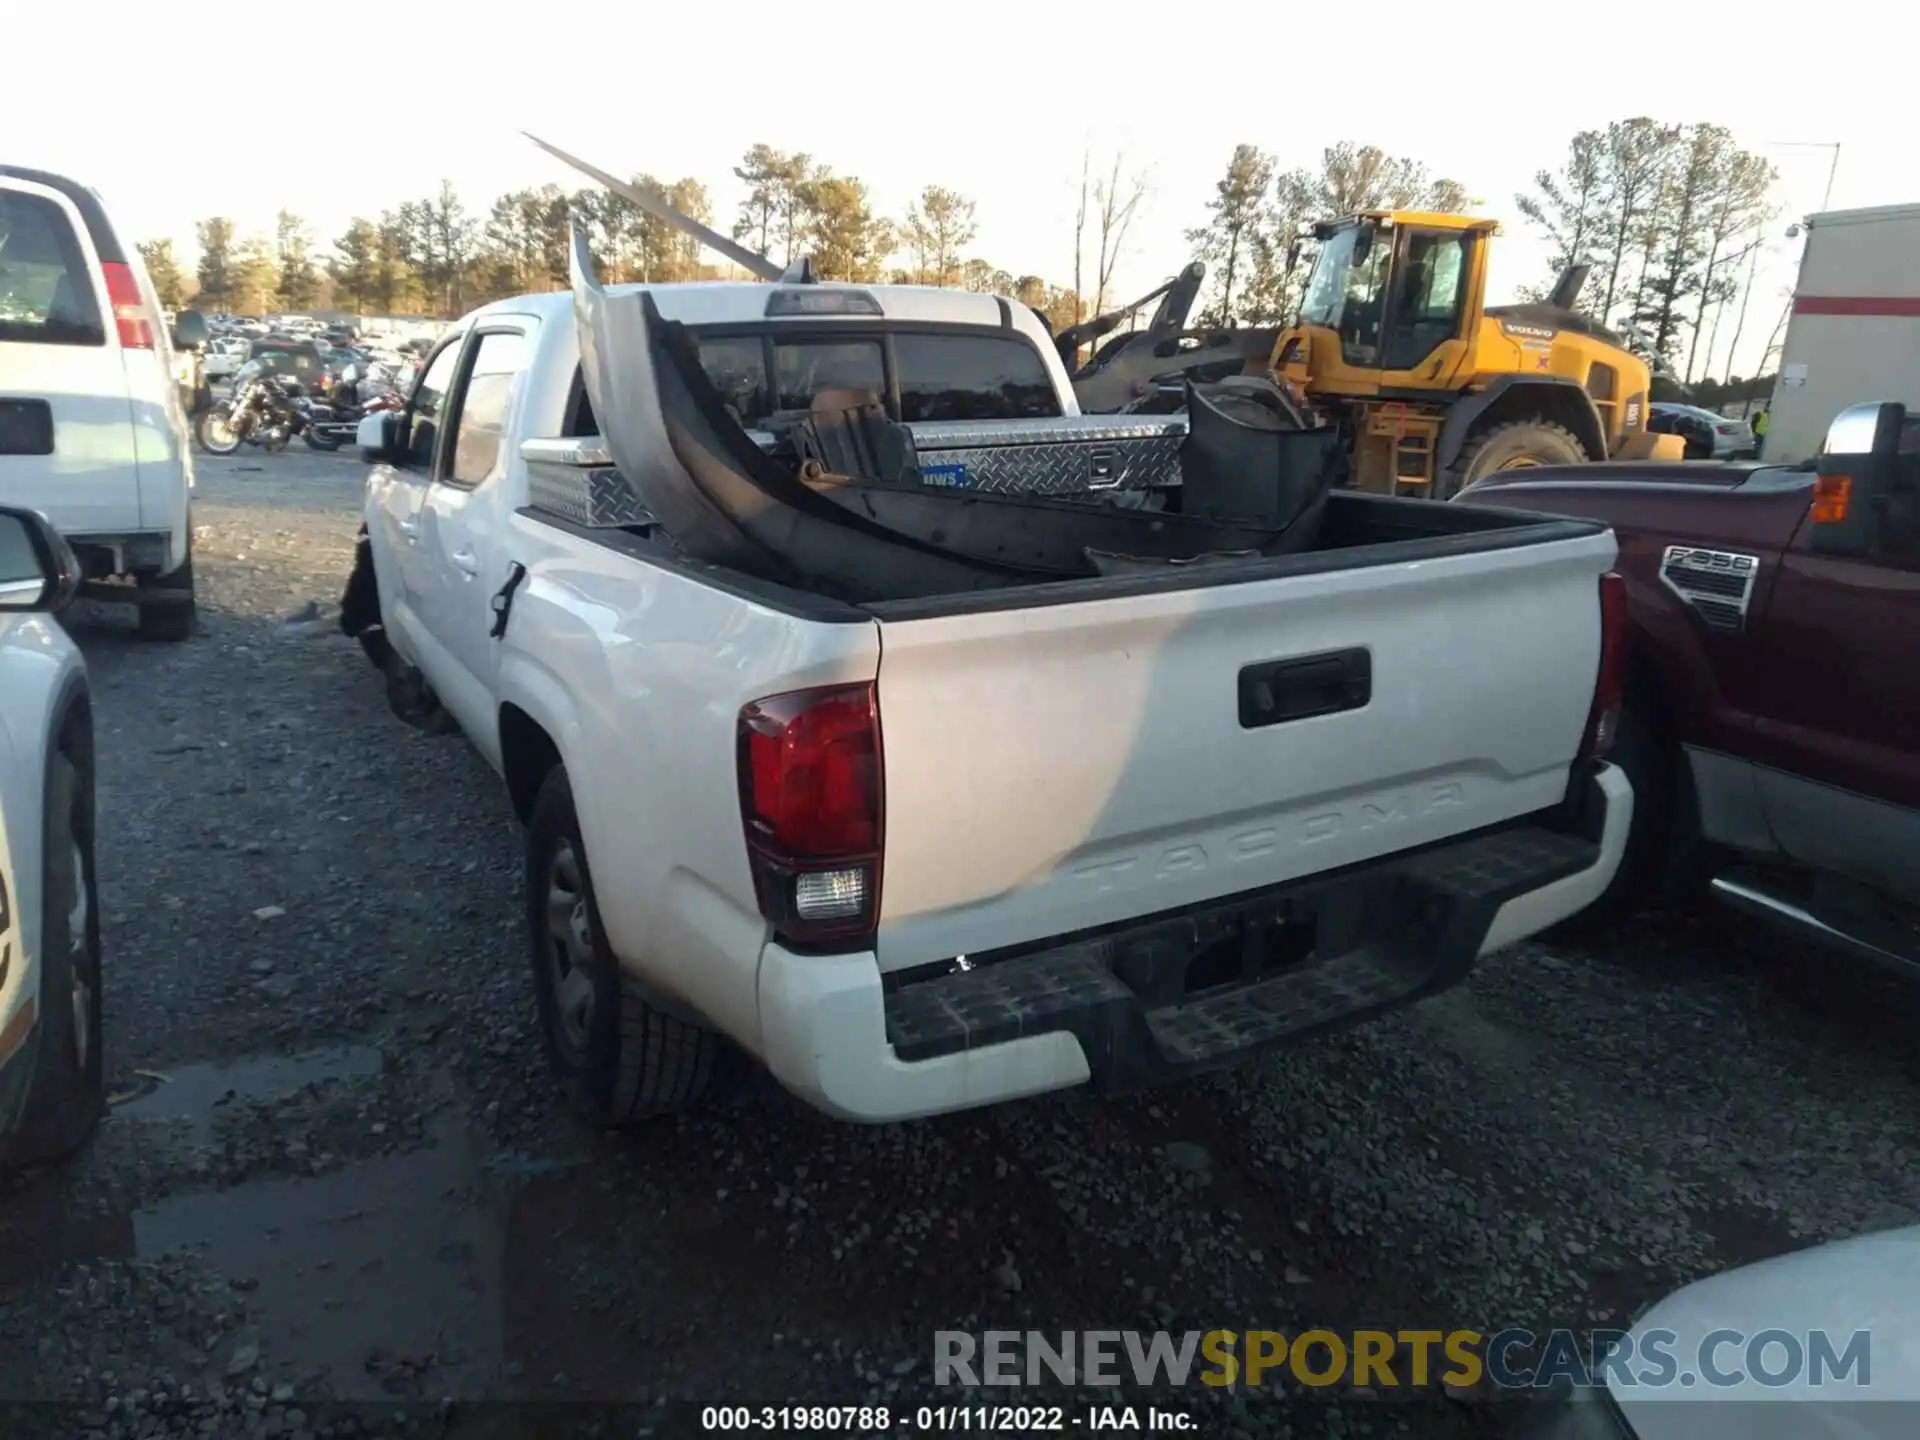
<point x="1772" y="724"/>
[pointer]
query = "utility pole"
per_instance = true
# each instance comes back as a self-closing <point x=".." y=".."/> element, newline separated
<point x="1833" y="167"/>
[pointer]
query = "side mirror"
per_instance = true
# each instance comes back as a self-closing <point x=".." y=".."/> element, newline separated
<point x="190" y="331"/>
<point x="1854" y="479"/>
<point x="37" y="569"/>
<point x="378" y="437"/>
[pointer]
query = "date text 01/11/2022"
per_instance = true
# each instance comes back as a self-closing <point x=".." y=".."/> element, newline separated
<point x="941" y="1419"/>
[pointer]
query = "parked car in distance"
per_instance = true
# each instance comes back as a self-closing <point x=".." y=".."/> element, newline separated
<point x="94" y="432"/>
<point x="297" y="361"/>
<point x="223" y="357"/>
<point x="1708" y="436"/>
<point x="969" y="837"/>
<point x="52" y="1086"/>
<point x="1772" y="719"/>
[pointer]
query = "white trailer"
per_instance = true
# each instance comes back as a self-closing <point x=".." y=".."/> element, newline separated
<point x="1854" y="331"/>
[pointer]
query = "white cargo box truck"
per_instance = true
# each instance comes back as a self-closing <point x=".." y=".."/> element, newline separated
<point x="1854" y="331"/>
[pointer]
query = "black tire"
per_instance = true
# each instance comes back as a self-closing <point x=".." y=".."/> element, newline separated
<point x="412" y="700"/>
<point x="316" y="441"/>
<point x="202" y="425"/>
<point x="377" y="648"/>
<point x="1517" y="443"/>
<point x="175" y="621"/>
<point x="626" y="1060"/>
<point x="67" y="1092"/>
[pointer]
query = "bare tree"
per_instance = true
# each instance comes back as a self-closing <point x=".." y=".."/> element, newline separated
<point x="1079" y="233"/>
<point x="1636" y="154"/>
<point x="1117" y="201"/>
<point x="1746" y="294"/>
<point x="1569" y="206"/>
<point x="1738" y="204"/>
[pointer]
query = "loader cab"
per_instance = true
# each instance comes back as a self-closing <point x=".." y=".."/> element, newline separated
<point x="1389" y="306"/>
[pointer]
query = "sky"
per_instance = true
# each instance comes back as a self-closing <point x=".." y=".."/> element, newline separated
<point x="995" y="100"/>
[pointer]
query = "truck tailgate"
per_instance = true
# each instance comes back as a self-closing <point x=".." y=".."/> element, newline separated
<point x="1053" y="769"/>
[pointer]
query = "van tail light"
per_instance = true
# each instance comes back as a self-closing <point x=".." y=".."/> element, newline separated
<point x="129" y="310"/>
<point x="811" y="802"/>
<point x="1609" y="686"/>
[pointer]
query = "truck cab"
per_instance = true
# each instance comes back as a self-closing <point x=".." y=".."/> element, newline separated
<point x="1772" y="723"/>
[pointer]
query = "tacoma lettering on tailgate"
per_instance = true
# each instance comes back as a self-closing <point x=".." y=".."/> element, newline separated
<point x="1191" y="858"/>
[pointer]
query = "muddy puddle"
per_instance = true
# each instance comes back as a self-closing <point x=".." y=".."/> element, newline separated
<point x="378" y="1278"/>
<point x="363" y="1279"/>
<point x="195" y="1094"/>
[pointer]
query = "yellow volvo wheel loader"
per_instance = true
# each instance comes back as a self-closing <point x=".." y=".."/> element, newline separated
<point x="1394" y="341"/>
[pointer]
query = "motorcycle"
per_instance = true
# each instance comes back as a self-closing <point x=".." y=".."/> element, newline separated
<point x="263" y="411"/>
<point x="336" y="421"/>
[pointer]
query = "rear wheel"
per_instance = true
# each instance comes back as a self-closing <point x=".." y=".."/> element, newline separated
<point x="620" y="1058"/>
<point x="316" y="441"/>
<point x="66" y="1093"/>
<point x="1517" y="445"/>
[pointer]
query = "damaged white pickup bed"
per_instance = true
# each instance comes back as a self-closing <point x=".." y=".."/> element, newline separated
<point x="944" y="827"/>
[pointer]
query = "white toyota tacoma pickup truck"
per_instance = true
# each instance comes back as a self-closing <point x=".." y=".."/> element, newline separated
<point x="968" y="835"/>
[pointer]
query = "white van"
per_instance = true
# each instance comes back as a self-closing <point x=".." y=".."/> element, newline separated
<point x="93" y="433"/>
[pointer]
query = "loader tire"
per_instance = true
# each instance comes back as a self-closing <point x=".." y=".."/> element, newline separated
<point x="1515" y="445"/>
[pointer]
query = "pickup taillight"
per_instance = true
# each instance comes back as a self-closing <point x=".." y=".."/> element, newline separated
<point x="812" y="805"/>
<point x="1609" y="685"/>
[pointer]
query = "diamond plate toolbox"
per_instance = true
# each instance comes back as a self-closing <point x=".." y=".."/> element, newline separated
<point x="1073" y="455"/>
<point x="575" y="480"/>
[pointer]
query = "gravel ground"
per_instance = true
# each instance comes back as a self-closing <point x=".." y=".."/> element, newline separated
<point x="338" y="1195"/>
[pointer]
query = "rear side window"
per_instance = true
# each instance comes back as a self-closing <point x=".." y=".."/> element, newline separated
<point x="482" y="422"/>
<point x="46" y="291"/>
<point x="971" y="377"/>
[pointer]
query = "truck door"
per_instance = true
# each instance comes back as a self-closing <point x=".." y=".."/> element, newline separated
<point x="396" y="493"/>
<point x="1837" y="722"/>
<point x="1431" y="277"/>
<point x="462" y="563"/>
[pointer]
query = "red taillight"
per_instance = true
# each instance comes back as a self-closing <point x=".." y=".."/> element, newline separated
<point x="129" y="310"/>
<point x="1609" y="686"/>
<point x="810" y="797"/>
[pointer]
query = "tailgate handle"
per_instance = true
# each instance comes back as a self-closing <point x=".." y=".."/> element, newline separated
<point x="1277" y="691"/>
